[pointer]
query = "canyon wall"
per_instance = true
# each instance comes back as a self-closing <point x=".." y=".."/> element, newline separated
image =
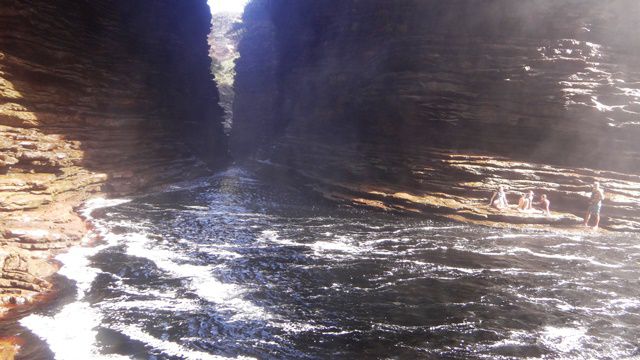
<point x="429" y="105"/>
<point x="99" y="96"/>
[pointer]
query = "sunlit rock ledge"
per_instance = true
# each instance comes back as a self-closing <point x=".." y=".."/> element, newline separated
<point x="456" y="185"/>
<point x="8" y="348"/>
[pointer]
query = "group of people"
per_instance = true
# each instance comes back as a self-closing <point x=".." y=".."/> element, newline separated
<point x="526" y="203"/>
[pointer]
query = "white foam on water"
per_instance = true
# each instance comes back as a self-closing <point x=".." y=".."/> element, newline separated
<point x="519" y="250"/>
<point x="219" y="250"/>
<point x="294" y="327"/>
<point x="565" y="339"/>
<point x="76" y="260"/>
<point x="514" y="271"/>
<point x="211" y="250"/>
<point x="321" y="247"/>
<point x="515" y="338"/>
<point x="623" y="306"/>
<point x="469" y="271"/>
<point x="564" y="245"/>
<point x="426" y="228"/>
<point x="154" y="305"/>
<point x="559" y="303"/>
<point x="564" y="257"/>
<point x="76" y="267"/>
<point x="272" y="236"/>
<point x="631" y="92"/>
<point x="99" y="203"/>
<point x="564" y="343"/>
<point x="538" y="235"/>
<point x="387" y="240"/>
<point x="200" y="277"/>
<point x="196" y="207"/>
<point x="269" y="235"/>
<point x="604" y="108"/>
<point x="507" y="236"/>
<point x="464" y="325"/>
<point x="71" y="333"/>
<point x="168" y="347"/>
<point x="451" y="270"/>
<point x="342" y="246"/>
<point x="132" y="290"/>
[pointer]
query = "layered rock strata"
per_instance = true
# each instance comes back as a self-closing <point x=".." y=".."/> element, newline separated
<point x="429" y="105"/>
<point x="456" y="184"/>
<point x="96" y="97"/>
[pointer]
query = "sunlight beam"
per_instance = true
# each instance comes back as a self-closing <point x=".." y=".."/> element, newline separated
<point x="230" y="6"/>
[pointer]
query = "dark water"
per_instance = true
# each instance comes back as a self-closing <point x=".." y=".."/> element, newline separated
<point x="233" y="267"/>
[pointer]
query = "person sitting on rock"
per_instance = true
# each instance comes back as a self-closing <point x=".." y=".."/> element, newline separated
<point x="522" y="202"/>
<point x="544" y="205"/>
<point x="499" y="199"/>
<point x="526" y="201"/>
<point x="595" y="204"/>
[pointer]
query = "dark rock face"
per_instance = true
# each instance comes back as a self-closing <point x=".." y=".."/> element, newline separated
<point x="486" y="74"/>
<point x="104" y="96"/>
<point x="373" y="93"/>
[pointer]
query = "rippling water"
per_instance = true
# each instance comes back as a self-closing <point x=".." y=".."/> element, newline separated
<point x="235" y="267"/>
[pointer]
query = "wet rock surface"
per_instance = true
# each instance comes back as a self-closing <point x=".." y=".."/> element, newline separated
<point x="428" y="106"/>
<point x="458" y="185"/>
<point x="96" y="98"/>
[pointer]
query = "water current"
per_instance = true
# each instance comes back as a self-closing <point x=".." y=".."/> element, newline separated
<point x="234" y="266"/>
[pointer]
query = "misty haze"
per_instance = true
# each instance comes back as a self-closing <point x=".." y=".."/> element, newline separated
<point x="305" y="179"/>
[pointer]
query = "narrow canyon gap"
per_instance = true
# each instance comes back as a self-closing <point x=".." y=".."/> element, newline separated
<point x="223" y="42"/>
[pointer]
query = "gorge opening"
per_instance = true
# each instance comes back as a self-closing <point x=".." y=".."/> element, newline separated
<point x="226" y="18"/>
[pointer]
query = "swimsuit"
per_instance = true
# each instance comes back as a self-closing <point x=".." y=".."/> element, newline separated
<point x="595" y="206"/>
<point x="594" y="209"/>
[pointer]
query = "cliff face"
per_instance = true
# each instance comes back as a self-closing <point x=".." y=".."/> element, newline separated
<point x="95" y="96"/>
<point x="429" y="105"/>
